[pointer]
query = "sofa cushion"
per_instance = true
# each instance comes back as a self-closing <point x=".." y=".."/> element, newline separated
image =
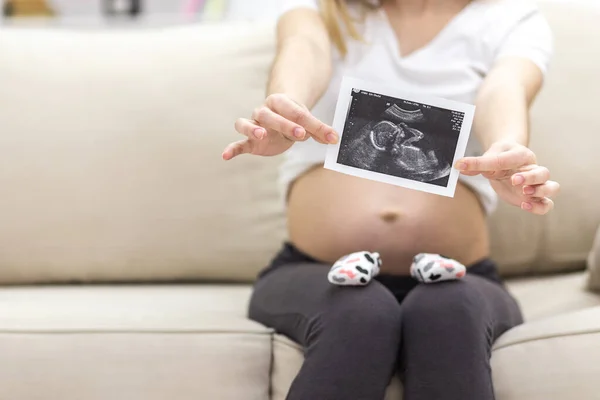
<point x="594" y="265"/>
<point x="110" y="155"/>
<point x="547" y="296"/>
<point x="550" y="359"/>
<point x="125" y="342"/>
<point x="565" y="126"/>
<point x="539" y="298"/>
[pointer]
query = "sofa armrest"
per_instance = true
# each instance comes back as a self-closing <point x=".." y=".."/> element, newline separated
<point x="550" y="359"/>
<point x="594" y="264"/>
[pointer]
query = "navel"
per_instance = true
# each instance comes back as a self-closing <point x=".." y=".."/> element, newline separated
<point x="389" y="215"/>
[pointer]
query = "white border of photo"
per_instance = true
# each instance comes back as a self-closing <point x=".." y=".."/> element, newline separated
<point x="341" y="113"/>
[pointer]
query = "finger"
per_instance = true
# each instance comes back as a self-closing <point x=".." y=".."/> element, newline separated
<point x="318" y="140"/>
<point x="511" y="159"/>
<point x="548" y="189"/>
<point x="498" y="175"/>
<point x="301" y="116"/>
<point x="538" y="207"/>
<point x="489" y="175"/>
<point x="250" y="129"/>
<point x="271" y="120"/>
<point x="234" y="149"/>
<point x="535" y="176"/>
<point x="470" y="173"/>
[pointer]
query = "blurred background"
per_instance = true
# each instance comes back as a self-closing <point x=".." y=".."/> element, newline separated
<point x="94" y="13"/>
<point x="139" y="13"/>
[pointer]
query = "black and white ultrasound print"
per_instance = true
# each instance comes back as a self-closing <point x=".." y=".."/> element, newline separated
<point x="399" y="137"/>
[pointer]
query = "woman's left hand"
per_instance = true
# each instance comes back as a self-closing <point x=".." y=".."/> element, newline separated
<point x="514" y="174"/>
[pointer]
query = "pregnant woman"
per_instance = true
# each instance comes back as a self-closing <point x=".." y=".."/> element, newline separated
<point x="492" y="53"/>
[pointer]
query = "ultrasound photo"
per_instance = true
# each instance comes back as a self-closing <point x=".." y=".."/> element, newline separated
<point x="399" y="140"/>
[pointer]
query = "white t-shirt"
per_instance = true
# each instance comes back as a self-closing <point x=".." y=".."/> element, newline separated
<point x="453" y="66"/>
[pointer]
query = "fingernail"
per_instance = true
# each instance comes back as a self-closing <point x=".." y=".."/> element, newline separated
<point x="528" y="190"/>
<point x="299" y="133"/>
<point x="258" y="133"/>
<point x="461" y="166"/>
<point x="518" y="180"/>
<point x="526" y="206"/>
<point x="331" y="138"/>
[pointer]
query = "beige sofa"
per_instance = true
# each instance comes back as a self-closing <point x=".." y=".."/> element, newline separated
<point x="127" y="247"/>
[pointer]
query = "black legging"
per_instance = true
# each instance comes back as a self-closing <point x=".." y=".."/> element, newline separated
<point x="439" y="336"/>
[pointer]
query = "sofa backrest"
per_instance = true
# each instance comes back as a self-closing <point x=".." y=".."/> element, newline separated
<point x="565" y="135"/>
<point x="110" y="155"/>
<point x="110" y="147"/>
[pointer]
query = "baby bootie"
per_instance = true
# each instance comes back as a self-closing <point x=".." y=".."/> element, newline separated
<point x="356" y="269"/>
<point x="431" y="268"/>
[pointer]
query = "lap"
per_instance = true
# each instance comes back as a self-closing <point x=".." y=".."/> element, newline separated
<point x="293" y="295"/>
<point x="304" y="289"/>
<point x="297" y="294"/>
<point x="475" y="298"/>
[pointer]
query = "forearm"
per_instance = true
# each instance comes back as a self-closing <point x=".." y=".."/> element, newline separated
<point x="301" y="70"/>
<point x="503" y="103"/>
<point x="502" y="114"/>
<point x="302" y="66"/>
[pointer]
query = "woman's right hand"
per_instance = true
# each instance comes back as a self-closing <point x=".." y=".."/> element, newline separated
<point x="276" y="126"/>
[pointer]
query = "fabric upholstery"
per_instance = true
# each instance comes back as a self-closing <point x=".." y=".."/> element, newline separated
<point x="110" y="155"/>
<point x="111" y="338"/>
<point x="561" y="240"/>
<point x="550" y="359"/>
<point x="546" y="296"/>
<point x="123" y="342"/>
<point x="594" y="265"/>
<point x="123" y="365"/>
<point x="122" y="308"/>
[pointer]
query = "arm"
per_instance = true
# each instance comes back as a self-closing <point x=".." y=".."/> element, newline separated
<point x="299" y="76"/>
<point x="302" y="67"/>
<point x="503" y="102"/>
<point x="502" y="126"/>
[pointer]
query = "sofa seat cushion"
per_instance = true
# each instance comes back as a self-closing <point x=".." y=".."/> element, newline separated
<point x="131" y="342"/>
<point x="547" y="296"/>
<point x="549" y="359"/>
<point x="539" y="298"/>
<point x="287" y="360"/>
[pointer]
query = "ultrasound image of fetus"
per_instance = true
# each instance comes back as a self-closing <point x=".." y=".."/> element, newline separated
<point x="400" y="137"/>
<point x="392" y="148"/>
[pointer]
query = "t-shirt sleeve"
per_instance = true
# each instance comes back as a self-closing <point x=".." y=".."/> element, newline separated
<point x="287" y="5"/>
<point x="524" y="33"/>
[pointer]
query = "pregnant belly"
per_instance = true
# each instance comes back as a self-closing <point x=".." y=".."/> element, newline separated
<point x="332" y="214"/>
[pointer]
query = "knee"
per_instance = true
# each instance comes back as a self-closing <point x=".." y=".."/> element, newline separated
<point x="455" y="305"/>
<point x="372" y="310"/>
